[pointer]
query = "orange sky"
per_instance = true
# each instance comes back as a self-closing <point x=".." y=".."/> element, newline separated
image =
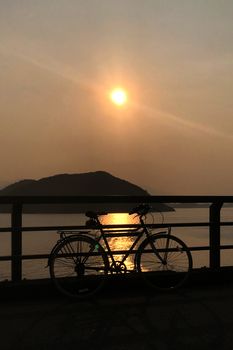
<point x="60" y="59"/>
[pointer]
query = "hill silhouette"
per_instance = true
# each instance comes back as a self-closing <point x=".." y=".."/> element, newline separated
<point x="99" y="183"/>
<point x="94" y="183"/>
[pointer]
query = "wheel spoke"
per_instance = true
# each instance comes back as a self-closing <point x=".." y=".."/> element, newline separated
<point x="172" y="258"/>
<point x="75" y="269"/>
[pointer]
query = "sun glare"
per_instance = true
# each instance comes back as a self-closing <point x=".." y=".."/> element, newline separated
<point x="118" y="96"/>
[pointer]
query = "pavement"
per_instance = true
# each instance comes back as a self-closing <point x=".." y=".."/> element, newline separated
<point x="194" y="317"/>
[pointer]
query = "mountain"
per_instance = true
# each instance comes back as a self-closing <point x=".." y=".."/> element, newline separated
<point x="99" y="183"/>
<point x="95" y="183"/>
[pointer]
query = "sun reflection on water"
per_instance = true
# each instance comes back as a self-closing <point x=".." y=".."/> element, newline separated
<point x="119" y="218"/>
<point x="124" y="242"/>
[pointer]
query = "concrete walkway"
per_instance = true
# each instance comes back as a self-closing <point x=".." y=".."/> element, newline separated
<point x="192" y="318"/>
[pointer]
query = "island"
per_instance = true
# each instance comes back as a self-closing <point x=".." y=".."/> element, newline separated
<point x="99" y="183"/>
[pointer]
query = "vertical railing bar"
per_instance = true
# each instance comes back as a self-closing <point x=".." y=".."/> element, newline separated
<point x="16" y="242"/>
<point x="214" y="234"/>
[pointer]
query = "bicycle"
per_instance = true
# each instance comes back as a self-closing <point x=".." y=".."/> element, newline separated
<point x="79" y="264"/>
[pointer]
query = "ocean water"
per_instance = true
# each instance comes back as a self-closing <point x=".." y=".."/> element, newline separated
<point x="42" y="242"/>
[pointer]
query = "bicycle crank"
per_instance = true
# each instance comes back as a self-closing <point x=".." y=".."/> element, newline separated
<point x="118" y="267"/>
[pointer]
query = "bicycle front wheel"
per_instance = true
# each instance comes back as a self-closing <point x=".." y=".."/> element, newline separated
<point x="164" y="261"/>
<point x="78" y="266"/>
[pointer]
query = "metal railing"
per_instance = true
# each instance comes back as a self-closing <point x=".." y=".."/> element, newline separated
<point x="17" y="204"/>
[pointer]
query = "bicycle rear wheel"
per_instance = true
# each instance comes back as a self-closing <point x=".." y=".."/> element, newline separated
<point x="164" y="261"/>
<point x="78" y="266"/>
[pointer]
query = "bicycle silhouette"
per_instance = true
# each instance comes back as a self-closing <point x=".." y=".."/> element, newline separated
<point x="79" y="264"/>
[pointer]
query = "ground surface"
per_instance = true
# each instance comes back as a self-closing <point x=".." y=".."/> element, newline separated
<point x="196" y="317"/>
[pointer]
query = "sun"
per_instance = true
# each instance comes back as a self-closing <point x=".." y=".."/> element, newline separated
<point x="118" y="96"/>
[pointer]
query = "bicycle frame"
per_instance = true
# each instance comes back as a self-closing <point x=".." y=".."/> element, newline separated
<point x="64" y="235"/>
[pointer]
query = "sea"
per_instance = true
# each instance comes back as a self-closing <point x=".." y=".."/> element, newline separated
<point x="42" y="242"/>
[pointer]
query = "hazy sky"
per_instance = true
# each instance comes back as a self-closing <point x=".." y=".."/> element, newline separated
<point x="59" y="60"/>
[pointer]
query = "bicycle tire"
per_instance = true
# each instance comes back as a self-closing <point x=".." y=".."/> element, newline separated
<point x="167" y="269"/>
<point x="78" y="266"/>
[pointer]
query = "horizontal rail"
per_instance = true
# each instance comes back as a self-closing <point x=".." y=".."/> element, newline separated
<point x="114" y="199"/>
<point x="123" y="226"/>
<point x="114" y="252"/>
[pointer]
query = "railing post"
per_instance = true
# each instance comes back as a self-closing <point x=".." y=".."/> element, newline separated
<point x="16" y="242"/>
<point x="214" y="237"/>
